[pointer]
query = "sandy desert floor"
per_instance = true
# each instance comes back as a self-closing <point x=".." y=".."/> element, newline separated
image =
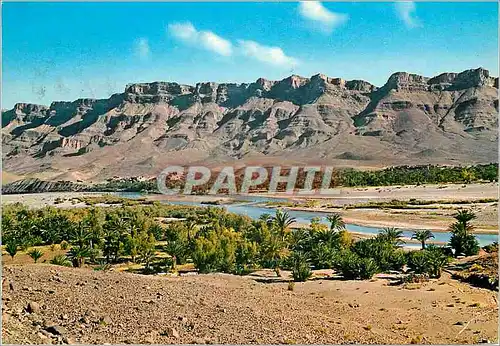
<point x="85" y="306"/>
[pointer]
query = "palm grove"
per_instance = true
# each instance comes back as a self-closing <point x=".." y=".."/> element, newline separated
<point x="217" y="241"/>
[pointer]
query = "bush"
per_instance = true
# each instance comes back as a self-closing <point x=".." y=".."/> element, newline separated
<point x="35" y="254"/>
<point x="429" y="261"/>
<point x="491" y="248"/>
<point x="322" y="256"/>
<point x="301" y="269"/>
<point x="417" y="262"/>
<point x="215" y="251"/>
<point x="385" y="254"/>
<point x="367" y="268"/>
<point x="61" y="260"/>
<point x="436" y="260"/>
<point x="64" y="245"/>
<point x="464" y="244"/>
<point x="246" y="257"/>
<point x="352" y="266"/>
<point x="11" y="248"/>
<point x="178" y="249"/>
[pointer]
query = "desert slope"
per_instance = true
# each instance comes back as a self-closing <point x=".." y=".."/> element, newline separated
<point x="450" y="118"/>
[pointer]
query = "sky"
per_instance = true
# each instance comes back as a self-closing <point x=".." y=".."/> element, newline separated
<point x="65" y="51"/>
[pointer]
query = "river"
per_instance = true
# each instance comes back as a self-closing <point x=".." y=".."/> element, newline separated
<point x="250" y="207"/>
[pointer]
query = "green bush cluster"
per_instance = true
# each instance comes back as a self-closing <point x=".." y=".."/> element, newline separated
<point x="215" y="240"/>
<point x="429" y="261"/>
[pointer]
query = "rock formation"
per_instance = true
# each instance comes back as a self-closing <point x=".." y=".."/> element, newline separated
<point x="449" y="118"/>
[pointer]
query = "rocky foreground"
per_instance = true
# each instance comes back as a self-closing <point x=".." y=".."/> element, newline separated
<point x="50" y="304"/>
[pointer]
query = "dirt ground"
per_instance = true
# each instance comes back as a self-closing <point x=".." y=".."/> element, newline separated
<point x="85" y="306"/>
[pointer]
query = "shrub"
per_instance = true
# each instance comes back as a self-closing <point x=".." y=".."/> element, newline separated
<point x="436" y="260"/>
<point x="322" y="256"/>
<point x="462" y="239"/>
<point x="352" y="266"/>
<point x="77" y="254"/>
<point x="11" y="248"/>
<point x="385" y="254"/>
<point x="61" y="260"/>
<point x="430" y="261"/>
<point x="490" y="248"/>
<point x="246" y="256"/>
<point x="64" y="245"/>
<point x="178" y="249"/>
<point x="301" y="269"/>
<point x="464" y="243"/>
<point x="215" y="251"/>
<point x="35" y="254"/>
<point x="291" y="286"/>
<point x="367" y="268"/>
<point x="417" y="262"/>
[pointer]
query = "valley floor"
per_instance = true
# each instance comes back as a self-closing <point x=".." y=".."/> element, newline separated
<point x="93" y="307"/>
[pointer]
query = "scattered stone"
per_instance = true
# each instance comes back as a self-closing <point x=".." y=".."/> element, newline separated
<point x="33" y="308"/>
<point x="64" y="317"/>
<point x="56" y="330"/>
<point x="106" y="320"/>
<point x="183" y="319"/>
<point x="459" y="323"/>
<point x="68" y="340"/>
<point x="11" y="286"/>
<point x="171" y="332"/>
<point x="46" y="333"/>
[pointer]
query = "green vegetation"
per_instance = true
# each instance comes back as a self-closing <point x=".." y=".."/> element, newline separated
<point x="214" y="240"/>
<point x="61" y="260"/>
<point x="399" y="175"/>
<point x="35" y="254"/>
<point x="429" y="261"/>
<point x="11" y="248"/>
<point x="462" y="239"/>
<point x="422" y="236"/>
<point x="409" y="175"/>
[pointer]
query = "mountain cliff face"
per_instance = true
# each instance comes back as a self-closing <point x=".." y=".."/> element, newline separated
<point x="449" y="118"/>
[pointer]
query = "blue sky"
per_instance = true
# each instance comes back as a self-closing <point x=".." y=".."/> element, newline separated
<point x="64" y="51"/>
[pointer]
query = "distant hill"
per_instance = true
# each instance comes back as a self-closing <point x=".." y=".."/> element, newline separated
<point x="450" y="119"/>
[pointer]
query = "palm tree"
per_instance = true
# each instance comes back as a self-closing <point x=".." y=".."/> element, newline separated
<point x="80" y="235"/>
<point x="191" y="229"/>
<point x="266" y="217"/>
<point x="77" y="254"/>
<point x="392" y="235"/>
<point x="463" y="216"/>
<point x="94" y="221"/>
<point x="61" y="260"/>
<point x="336" y="222"/>
<point x="35" y="254"/>
<point x="282" y="220"/>
<point x="11" y="248"/>
<point x="422" y="236"/>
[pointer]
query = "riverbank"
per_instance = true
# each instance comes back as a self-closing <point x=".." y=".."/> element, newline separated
<point x="435" y="217"/>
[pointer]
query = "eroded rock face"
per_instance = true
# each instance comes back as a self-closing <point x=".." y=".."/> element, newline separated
<point x="296" y="114"/>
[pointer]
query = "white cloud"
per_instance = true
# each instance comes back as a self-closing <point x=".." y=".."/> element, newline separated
<point x="406" y="11"/>
<point x="266" y="54"/>
<point x="141" y="48"/>
<point x="326" y="20"/>
<point x="208" y="40"/>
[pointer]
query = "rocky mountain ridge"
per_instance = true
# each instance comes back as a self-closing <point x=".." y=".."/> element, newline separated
<point x="449" y="118"/>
